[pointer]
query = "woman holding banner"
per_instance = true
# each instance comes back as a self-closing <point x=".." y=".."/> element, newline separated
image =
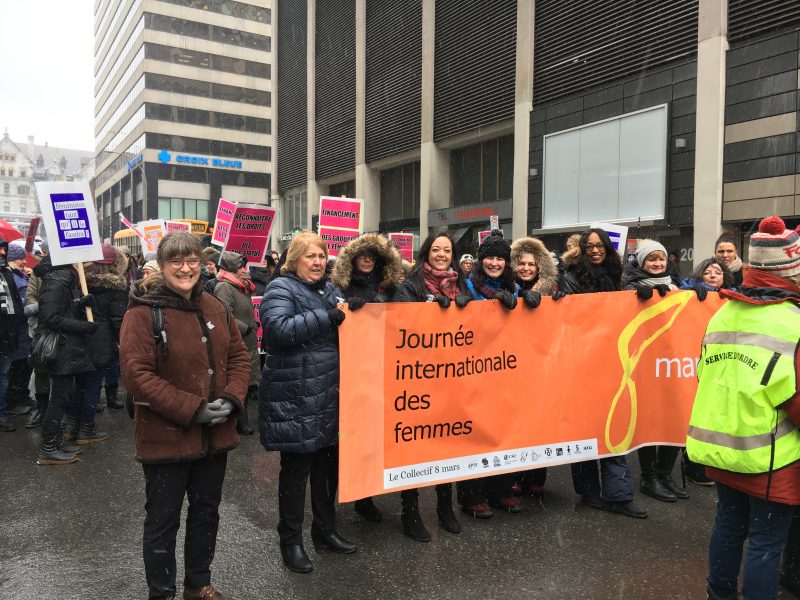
<point x="536" y="270"/>
<point x="368" y="269"/>
<point x="599" y="269"/>
<point x="434" y="278"/>
<point x="300" y="397"/>
<point x="492" y="278"/>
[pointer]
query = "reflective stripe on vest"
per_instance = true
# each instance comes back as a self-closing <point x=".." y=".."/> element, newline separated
<point x="747" y="370"/>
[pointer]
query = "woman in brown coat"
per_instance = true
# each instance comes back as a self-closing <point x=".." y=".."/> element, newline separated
<point x="186" y="386"/>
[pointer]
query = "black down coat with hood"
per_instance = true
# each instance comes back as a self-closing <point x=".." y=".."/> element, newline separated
<point x="299" y="391"/>
<point x="57" y="312"/>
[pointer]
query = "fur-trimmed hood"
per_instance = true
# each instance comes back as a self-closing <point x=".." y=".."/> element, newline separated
<point x="391" y="272"/>
<point x="548" y="269"/>
<point x="106" y="281"/>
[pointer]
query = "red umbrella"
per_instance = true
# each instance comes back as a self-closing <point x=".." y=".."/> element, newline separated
<point x="9" y="233"/>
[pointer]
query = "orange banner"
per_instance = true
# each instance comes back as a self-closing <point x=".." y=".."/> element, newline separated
<point x="430" y="395"/>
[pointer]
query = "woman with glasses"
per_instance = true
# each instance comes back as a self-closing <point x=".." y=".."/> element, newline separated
<point x="598" y="268"/>
<point x="188" y="386"/>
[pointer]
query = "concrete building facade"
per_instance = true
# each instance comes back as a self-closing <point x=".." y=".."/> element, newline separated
<point x="678" y="120"/>
<point x="183" y="107"/>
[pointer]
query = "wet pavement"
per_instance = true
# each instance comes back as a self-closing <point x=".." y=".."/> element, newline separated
<point x="74" y="532"/>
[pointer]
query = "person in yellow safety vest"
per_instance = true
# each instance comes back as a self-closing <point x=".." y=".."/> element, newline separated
<point x="744" y="424"/>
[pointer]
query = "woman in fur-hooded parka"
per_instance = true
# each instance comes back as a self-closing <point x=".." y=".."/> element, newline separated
<point x="380" y="284"/>
<point x="546" y="280"/>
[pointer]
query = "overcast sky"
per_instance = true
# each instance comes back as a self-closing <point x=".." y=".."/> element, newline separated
<point x="47" y="73"/>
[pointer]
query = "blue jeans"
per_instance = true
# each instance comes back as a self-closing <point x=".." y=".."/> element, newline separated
<point x="5" y="365"/>
<point x="84" y="400"/>
<point x="615" y="475"/>
<point x="112" y="372"/>
<point x="741" y="516"/>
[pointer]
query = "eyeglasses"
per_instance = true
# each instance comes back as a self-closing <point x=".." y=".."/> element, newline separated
<point x="177" y="263"/>
<point x="590" y="247"/>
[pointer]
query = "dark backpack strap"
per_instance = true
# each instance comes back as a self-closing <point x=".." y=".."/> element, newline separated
<point x="159" y="333"/>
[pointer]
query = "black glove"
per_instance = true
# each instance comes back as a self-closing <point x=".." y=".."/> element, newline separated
<point x="662" y="289"/>
<point x="380" y="298"/>
<point x="443" y="301"/>
<point x="507" y="299"/>
<point x="90" y="327"/>
<point x="532" y="299"/>
<point x="702" y="293"/>
<point x="558" y="294"/>
<point x="644" y="292"/>
<point x="83" y="301"/>
<point x="462" y="300"/>
<point x="336" y="316"/>
<point x="355" y="303"/>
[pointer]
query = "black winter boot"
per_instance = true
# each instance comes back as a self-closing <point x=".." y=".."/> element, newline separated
<point x="367" y="509"/>
<point x="88" y="434"/>
<point x="37" y="416"/>
<point x="413" y="526"/>
<point x="70" y="427"/>
<point x="112" y="400"/>
<point x="444" y="509"/>
<point x="51" y="454"/>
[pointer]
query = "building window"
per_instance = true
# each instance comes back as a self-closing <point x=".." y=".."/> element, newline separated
<point x="483" y="172"/>
<point x="7" y="190"/>
<point x="182" y="208"/>
<point x="345" y="188"/>
<point x="6" y="207"/>
<point x="612" y="170"/>
<point x="295" y="207"/>
<point x="23" y="190"/>
<point x="400" y="192"/>
<point x="23" y="206"/>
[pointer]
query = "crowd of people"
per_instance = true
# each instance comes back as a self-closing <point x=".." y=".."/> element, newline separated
<point x="182" y="323"/>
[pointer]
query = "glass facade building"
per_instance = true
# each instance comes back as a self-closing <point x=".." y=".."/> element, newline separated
<point x="183" y="107"/>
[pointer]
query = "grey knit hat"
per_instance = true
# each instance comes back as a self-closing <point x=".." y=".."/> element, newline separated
<point x="645" y="248"/>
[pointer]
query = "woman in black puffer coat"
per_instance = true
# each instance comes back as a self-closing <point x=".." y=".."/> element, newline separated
<point x="62" y="310"/>
<point x="106" y="282"/>
<point x="299" y="396"/>
<point x="368" y="269"/>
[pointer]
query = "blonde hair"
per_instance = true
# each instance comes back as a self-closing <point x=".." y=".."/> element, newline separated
<point x="299" y="246"/>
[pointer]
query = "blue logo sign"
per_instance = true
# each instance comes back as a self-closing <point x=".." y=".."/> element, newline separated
<point x="202" y="161"/>
<point x="135" y="161"/>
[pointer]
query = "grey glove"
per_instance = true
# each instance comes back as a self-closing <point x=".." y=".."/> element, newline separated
<point x="228" y="406"/>
<point x="212" y="410"/>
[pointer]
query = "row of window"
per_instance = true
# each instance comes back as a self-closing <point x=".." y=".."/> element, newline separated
<point x="295" y="211"/>
<point x="118" y="38"/>
<point x="122" y="58"/>
<point x="22" y="190"/>
<point x="206" y="89"/>
<point x="120" y="84"/>
<point x="400" y="192"/>
<point x="190" y="145"/>
<point x="482" y="172"/>
<point x="206" y="60"/>
<point x="204" y="31"/>
<point x="122" y="160"/>
<point x="8" y="156"/>
<point x="120" y="110"/>
<point x="229" y="8"/>
<point x="206" y="118"/>
<point x="182" y="208"/>
<point x="123" y="133"/>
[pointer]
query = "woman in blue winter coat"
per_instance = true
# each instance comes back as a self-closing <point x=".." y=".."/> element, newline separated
<point x="711" y="274"/>
<point x="299" y="396"/>
<point x="491" y="278"/>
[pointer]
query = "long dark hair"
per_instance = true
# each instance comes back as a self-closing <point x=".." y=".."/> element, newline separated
<point x="507" y="278"/>
<point x="727" y="276"/>
<point x="589" y="275"/>
<point x="415" y="276"/>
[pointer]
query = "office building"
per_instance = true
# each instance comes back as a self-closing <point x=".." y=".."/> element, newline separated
<point x="183" y="117"/>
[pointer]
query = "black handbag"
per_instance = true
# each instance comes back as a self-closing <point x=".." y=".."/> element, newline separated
<point x="45" y="348"/>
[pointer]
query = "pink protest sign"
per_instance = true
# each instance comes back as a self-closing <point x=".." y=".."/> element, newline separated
<point x="482" y="235"/>
<point x="222" y="222"/>
<point x="336" y="239"/>
<point x="130" y="226"/>
<point x="341" y="213"/>
<point x="404" y="242"/>
<point x="249" y="231"/>
<point x="256" y="306"/>
<point x="176" y="226"/>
